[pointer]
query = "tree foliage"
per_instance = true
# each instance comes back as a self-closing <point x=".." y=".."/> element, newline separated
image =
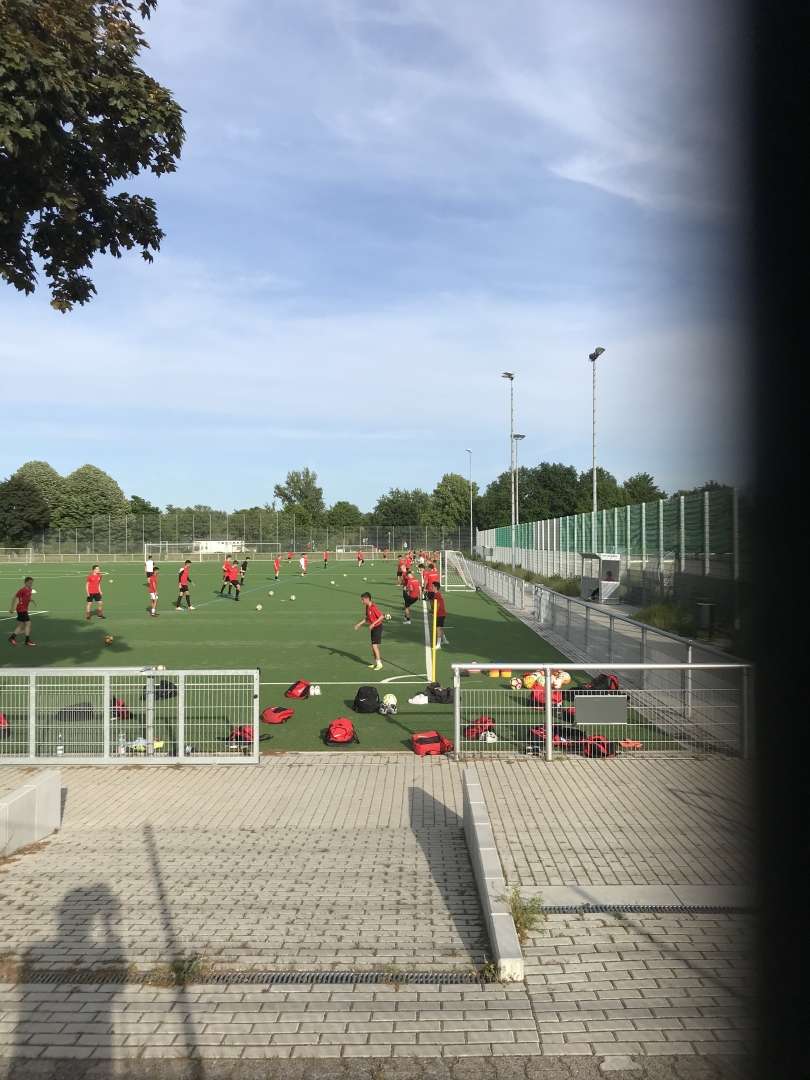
<point x="450" y="502"/>
<point x="23" y="511"/>
<point x="77" y="117"/>
<point x="137" y="505"/>
<point x="88" y="493"/>
<point x="401" y="507"/>
<point x="343" y="514"/>
<point x="45" y="479"/>
<point x="642" y="488"/>
<point x="301" y="492"/>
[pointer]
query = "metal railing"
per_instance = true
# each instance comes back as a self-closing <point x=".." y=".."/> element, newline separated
<point x="674" y="713"/>
<point x="91" y="716"/>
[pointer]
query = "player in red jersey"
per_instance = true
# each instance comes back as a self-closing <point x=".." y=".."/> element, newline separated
<point x="438" y="604"/>
<point x="153" y="589"/>
<point x="400" y="569"/>
<point x="226" y="570"/>
<point x="277" y="566"/>
<point x="385" y="554"/>
<point x="233" y="580"/>
<point x="22" y="601"/>
<point x="431" y="580"/>
<point x="92" y="587"/>
<point x="410" y="594"/>
<point x="183" y="582"/>
<point x="408" y="561"/>
<point x="289" y="555"/>
<point x="360" y="558"/>
<point x="325" y="559"/>
<point x="303" y="563"/>
<point x="374" y="619"/>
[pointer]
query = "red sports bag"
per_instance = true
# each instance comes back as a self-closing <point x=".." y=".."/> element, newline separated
<point x="430" y="742"/>
<point x="538" y="697"/>
<point x="298" y="689"/>
<point x="241" y="734"/>
<point x="598" y="746"/>
<point x="340" y="732"/>
<point x="120" y="709"/>
<point x="482" y="724"/>
<point x="277" y="715"/>
<point x="3" y="727"/>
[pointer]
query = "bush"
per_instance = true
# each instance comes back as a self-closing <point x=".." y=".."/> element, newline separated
<point x="566" y="586"/>
<point x="674" y="618"/>
<point x="525" y="913"/>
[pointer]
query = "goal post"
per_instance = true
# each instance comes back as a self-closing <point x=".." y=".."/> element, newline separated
<point x="455" y="573"/>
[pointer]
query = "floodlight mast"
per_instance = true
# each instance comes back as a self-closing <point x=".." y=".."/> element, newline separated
<point x="593" y="357"/>
<point x="517" y="439"/>
<point x="469" y="451"/>
<point x="510" y="375"/>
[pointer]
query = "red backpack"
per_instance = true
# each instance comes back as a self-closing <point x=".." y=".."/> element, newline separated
<point x="340" y="732"/>
<point x="598" y="746"/>
<point x="430" y="742"/>
<point x="602" y="682"/>
<point x="241" y="734"/>
<point x="277" y="715"/>
<point x="120" y="709"/>
<point x="538" y="697"/>
<point x="3" y="727"/>
<point x="482" y="724"/>
<point x="298" y="689"/>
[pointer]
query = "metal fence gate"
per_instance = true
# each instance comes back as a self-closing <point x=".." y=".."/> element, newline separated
<point x="698" y="710"/>
<point x="96" y="716"/>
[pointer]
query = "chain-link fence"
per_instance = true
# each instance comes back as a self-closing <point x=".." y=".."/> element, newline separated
<point x="128" y="715"/>
<point x="551" y="713"/>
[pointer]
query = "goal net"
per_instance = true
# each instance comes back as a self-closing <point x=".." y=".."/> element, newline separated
<point x="166" y="549"/>
<point x="455" y="572"/>
<point x="347" y="554"/>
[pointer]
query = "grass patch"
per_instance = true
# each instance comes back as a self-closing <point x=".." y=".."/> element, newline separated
<point x="183" y="971"/>
<point x="526" y="914"/>
<point x="568" y="586"/>
<point x="674" y="618"/>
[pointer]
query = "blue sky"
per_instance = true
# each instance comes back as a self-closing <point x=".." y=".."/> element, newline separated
<point x="381" y="206"/>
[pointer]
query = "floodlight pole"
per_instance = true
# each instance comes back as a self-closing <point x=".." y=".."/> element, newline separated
<point x="510" y="375"/>
<point x="471" y="505"/>
<point x="517" y="439"/>
<point x="593" y="357"/>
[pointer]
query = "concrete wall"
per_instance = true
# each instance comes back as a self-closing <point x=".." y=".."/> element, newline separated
<point x="490" y="881"/>
<point x="32" y="812"/>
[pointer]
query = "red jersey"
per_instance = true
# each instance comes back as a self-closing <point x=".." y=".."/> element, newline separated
<point x="277" y="563"/>
<point x="359" y="556"/>
<point x="431" y="579"/>
<point x="304" y="561"/>
<point x="408" y="562"/>
<point x="233" y="572"/>
<point x="400" y="564"/>
<point x="153" y="583"/>
<point x="326" y="556"/>
<point x="183" y="576"/>
<point x="412" y="585"/>
<point x="373" y="614"/>
<point x="289" y="556"/>
<point x="226" y="567"/>
<point x="93" y="583"/>
<point x="438" y="605"/>
<point x="23" y="598"/>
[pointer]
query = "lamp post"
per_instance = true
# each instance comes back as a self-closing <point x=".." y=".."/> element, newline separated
<point x="471" y="505"/>
<point x="593" y="357"/>
<point x="517" y="439"/>
<point x="510" y="375"/>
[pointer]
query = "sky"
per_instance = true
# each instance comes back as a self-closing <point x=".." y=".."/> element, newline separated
<point x="381" y="206"/>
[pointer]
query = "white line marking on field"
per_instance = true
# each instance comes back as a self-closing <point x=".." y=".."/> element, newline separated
<point x="394" y="678"/>
<point x="8" y="618"/>
<point x="428" y="658"/>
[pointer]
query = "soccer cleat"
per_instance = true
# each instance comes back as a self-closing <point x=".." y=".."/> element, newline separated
<point x="89" y="616"/>
<point x="32" y="644"/>
<point x="100" y="616"/>
<point x="190" y="607"/>
<point x="13" y="640"/>
<point x="177" y="607"/>
<point x="407" y="622"/>
<point x="378" y="667"/>
<point x="153" y="614"/>
<point x="438" y="644"/>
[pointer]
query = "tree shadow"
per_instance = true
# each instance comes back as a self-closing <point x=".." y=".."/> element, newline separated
<point x="59" y="640"/>
<point x="440" y="833"/>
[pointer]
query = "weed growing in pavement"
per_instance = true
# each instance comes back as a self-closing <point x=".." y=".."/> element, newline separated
<point x="182" y="971"/>
<point x="489" y="972"/>
<point x="526" y="914"/>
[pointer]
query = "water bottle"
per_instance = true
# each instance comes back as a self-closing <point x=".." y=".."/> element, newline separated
<point x="122" y="744"/>
<point x="60" y="746"/>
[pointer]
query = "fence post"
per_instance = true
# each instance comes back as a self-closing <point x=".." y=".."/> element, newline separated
<point x="456" y="713"/>
<point x="32" y="715"/>
<point x="150" y="715"/>
<point x="744" y="718"/>
<point x="588" y="628"/>
<point x="687" y="684"/>
<point x="706" y="535"/>
<point x="181" y="716"/>
<point x="106" y="715"/>
<point x="568" y="619"/>
<point x="549" y="718"/>
<point x="735" y="532"/>
<point x="682" y="525"/>
<point x="644" y="656"/>
<point x="611" y="622"/>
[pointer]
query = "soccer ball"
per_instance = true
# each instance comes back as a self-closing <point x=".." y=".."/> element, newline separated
<point x="388" y="705"/>
<point x="292" y="597"/>
<point x="109" y="639"/>
<point x="160" y="667"/>
<point x="387" y="616"/>
<point x="516" y="683"/>
<point x="111" y="581"/>
<point x="365" y="579"/>
<point x="529" y="680"/>
<point x="270" y="593"/>
<point x="331" y="583"/>
<point x="345" y="575"/>
<point x="258" y="607"/>
<point x="487" y="736"/>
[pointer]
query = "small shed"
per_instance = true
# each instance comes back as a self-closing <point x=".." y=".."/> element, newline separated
<point x="601" y="577"/>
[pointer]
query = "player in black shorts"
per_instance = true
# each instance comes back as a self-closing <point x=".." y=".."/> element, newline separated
<point x="243" y="569"/>
<point x="183" y="582"/>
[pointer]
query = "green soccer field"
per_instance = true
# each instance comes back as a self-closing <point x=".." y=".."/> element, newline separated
<point x="309" y="638"/>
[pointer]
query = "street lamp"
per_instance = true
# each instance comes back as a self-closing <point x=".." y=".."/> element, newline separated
<point x="510" y="375"/>
<point x="517" y="439"/>
<point x="469" y="451"/>
<point x="593" y="357"/>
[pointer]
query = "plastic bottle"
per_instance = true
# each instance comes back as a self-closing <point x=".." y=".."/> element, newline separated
<point x="60" y="746"/>
<point x="122" y="744"/>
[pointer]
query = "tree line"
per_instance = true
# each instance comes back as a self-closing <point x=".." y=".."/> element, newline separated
<point x="37" y="497"/>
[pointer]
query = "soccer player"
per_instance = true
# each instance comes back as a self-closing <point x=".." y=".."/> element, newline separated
<point x="277" y="566"/>
<point x="243" y="569"/>
<point x="432" y="578"/>
<point x="92" y="587"/>
<point x="153" y="589"/>
<point x="149" y="567"/>
<point x="408" y="560"/>
<point x="421" y="560"/>
<point x="183" y="581"/>
<point x="303" y="564"/>
<point x="289" y="556"/>
<point x="438" y="601"/>
<point x="374" y="618"/>
<point x="400" y="569"/>
<point x="385" y="554"/>
<point x="410" y="594"/>
<point x="325" y="559"/>
<point x="226" y="571"/>
<point x="360" y="558"/>
<point x="23" y="600"/>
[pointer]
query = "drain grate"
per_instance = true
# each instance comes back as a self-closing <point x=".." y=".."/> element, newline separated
<point x="647" y="909"/>
<point x="265" y="978"/>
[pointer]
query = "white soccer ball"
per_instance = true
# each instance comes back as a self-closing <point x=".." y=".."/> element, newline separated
<point x="258" y="607"/>
<point x="331" y="583"/>
<point x="270" y="593"/>
<point x="516" y="684"/>
<point x="487" y="736"/>
<point x="160" y="667"/>
<point x="387" y="617"/>
<point x="345" y="575"/>
<point x="365" y="579"/>
<point x="292" y="597"/>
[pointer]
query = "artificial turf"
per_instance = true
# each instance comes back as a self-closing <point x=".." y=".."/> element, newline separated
<point x="309" y="638"/>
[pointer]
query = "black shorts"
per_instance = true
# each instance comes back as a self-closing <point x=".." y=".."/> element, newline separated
<point x="182" y="589"/>
<point x="410" y="600"/>
<point x="440" y="620"/>
<point x="94" y="598"/>
<point x="23" y="616"/>
<point x="376" y="635"/>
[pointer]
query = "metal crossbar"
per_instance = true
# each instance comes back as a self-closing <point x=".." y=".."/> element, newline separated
<point x="89" y="716"/>
<point x="679" y="709"/>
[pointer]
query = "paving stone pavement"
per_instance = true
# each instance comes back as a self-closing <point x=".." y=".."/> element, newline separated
<point x="315" y="861"/>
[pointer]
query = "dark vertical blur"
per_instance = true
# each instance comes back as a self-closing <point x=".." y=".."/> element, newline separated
<point x="781" y="172"/>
